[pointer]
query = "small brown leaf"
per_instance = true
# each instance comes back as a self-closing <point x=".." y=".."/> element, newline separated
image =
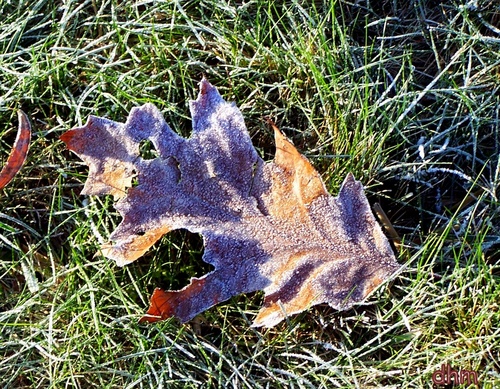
<point x="19" y="151"/>
<point x="266" y="226"/>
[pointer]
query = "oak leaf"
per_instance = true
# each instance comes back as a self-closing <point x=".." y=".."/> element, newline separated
<point x="266" y="226"/>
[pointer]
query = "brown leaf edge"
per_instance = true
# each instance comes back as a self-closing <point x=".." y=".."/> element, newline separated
<point x="19" y="151"/>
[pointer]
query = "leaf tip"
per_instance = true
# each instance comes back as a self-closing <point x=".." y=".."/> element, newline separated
<point x="160" y="307"/>
<point x="67" y="138"/>
<point x="205" y="86"/>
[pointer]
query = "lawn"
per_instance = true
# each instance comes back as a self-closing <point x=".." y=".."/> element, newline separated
<point x="404" y="95"/>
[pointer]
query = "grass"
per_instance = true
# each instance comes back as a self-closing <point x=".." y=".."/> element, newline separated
<point x="405" y="96"/>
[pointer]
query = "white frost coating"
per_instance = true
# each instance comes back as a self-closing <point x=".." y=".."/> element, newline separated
<point x="270" y="227"/>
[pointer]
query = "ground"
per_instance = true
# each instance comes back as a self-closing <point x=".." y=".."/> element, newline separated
<point x="404" y="95"/>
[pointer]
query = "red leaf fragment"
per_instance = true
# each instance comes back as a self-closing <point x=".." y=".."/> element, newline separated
<point x="266" y="226"/>
<point x="19" y="151"/>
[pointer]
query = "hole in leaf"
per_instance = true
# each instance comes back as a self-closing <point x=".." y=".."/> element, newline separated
<point x="175" y="163"/>
<point x="135" y="180"/>
<point x="179" y="258"/>
<point x="147" y="150"/>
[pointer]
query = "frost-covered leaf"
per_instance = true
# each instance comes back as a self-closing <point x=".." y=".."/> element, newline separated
<point x="266" y="226"/>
